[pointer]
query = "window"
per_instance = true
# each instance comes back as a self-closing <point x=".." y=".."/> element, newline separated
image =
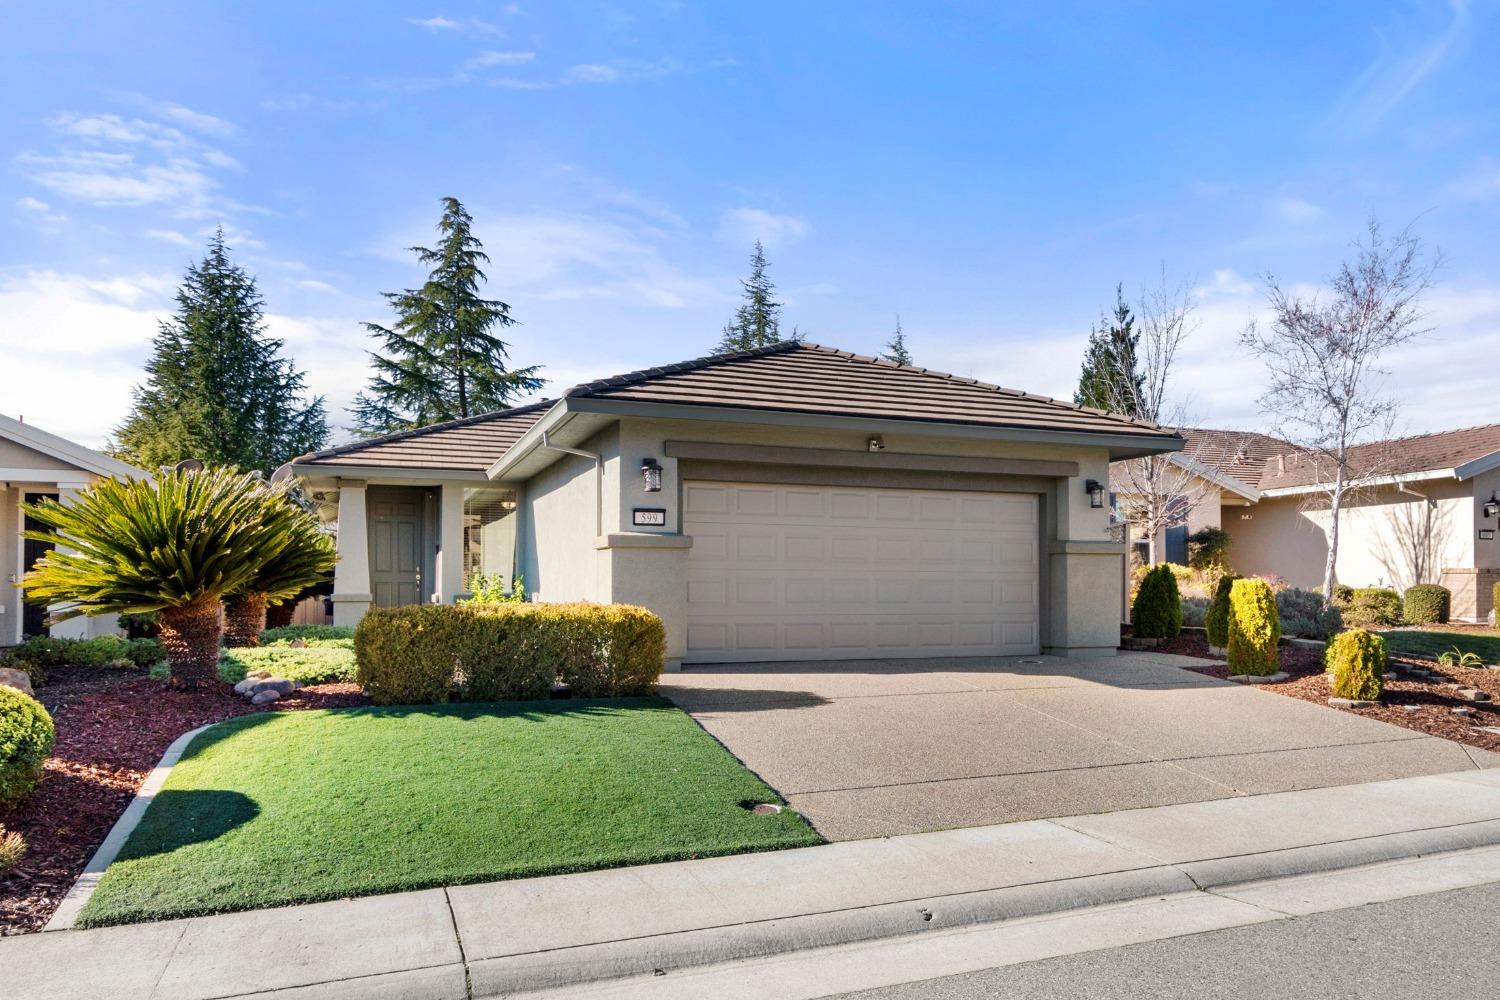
<point x="489" y="533"/>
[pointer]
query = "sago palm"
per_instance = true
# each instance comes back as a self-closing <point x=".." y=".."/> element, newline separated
<point x="174" y="545"/>
<point x="307" y="559"/>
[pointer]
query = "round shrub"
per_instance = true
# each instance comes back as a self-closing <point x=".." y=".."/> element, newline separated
<point x="26" y="737"/>
<point x="1216" y="622"/>
<point x="1194" y="611"/>
<point x="1157" y="611"/>
<point x="1372" y="607"/>
<point x="1427" y="604"/>
<point x="1254" y="628"/>
<point x="1356" y="659"/>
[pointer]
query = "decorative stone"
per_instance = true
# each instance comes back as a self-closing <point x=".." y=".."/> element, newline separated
<point x="1279" y="675"/>
<point x="264" y="697"/>
<point x="299" y="643"/>
<point x="18" y="679"/>
<point x="246" y="686"/>
<point x="1351" y="703"/>
<point x="1474" y="694"/>
<point x="278" y="684"/>
<point x="1462" y="710"/>
<point x="259" y="675"/>
<point x="1411" y="709"/>
<point x="1218" y="651"/>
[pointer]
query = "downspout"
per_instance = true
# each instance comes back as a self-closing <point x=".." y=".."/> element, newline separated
<point x="598" y="461"/>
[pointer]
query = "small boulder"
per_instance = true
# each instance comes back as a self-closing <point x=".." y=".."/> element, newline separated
<point x="246" y="686"/>
<point x="264" y="697"/>
<point x="18" y="679"/>
<point x="259" y="675"/>
<point x="299" y="643"/>
<point x="278" y="684"/>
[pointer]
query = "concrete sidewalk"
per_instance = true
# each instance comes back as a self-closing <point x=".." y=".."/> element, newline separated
<point x="530" y="935"/>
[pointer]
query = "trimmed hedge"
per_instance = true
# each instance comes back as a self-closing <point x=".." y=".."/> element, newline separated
<point x="1157" y="610"/>
<point x="1356" y="659"/>
<point x="26" y="737"/>
<point x="1372" y="606"/>
<point x="1216" y="622"/>
<point x="1427" y="604"/>
<point x="433" y="653"/>
<point x="285" y="635"/>
<point x="1303" y="615"/>
<point x="1254" y="628"/>
<point x="37" y="654"/>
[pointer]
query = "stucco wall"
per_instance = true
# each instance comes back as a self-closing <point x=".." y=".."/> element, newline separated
<point x="558" y="530"/>
<point x="1379" y="533"/>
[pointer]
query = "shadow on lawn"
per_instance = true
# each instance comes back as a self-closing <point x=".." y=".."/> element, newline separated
<point x="179" y="818"/>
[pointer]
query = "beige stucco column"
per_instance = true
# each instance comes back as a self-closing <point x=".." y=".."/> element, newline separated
<point x="450" y="557"/>
<point x="650" y="570"/>
<point x="351" y="574"/>
<point x="1084" y="571"/>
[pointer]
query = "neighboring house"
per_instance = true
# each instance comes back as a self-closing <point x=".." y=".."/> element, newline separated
<point x="35" y="464"/>
<point x="787" y="503"/>
<point x="1424" y="511"/>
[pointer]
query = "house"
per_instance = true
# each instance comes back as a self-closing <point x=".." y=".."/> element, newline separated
<point x="1424" y="511"/>
<point x="787" y="503"/>
<point x="36" y="464"/>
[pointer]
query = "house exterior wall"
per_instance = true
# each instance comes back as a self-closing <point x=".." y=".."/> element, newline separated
<point x="1380" y="535"/>
<point x="12" y="549"/>
<point x="560" y="507"/>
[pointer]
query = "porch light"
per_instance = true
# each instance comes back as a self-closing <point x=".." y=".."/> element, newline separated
<point x="1095" y="490"/>
<point x="1492" y="507"/>
<point x="650" y="475"/>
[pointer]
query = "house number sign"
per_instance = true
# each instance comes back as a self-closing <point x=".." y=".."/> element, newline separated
<point x="648" y="517"/>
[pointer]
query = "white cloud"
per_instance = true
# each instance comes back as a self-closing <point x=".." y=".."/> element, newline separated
<point x="1408" y="53"/>
<point x="219" y="158"/>
<point x="591" y="73"/>
<point x="467" y="26"/>
<point x="40" y="212"/>
<point x="1297" y="211"/>
<point x="33" y="205"/>
<point x="746" y="225"/>
<point x="312" y="284"/>
<point x="491" y="58"/>
<point x="169" y="236"/>
<point x="512" y="83"/>
<point x="1479" y="183"/>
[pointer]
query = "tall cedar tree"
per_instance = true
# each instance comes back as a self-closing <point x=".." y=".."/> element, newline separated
<point x="757" y="322"/>
<point x="895" y="348"/>
<point x="216" y="386"/>
<point x="439" y="360"/>
<point x="1111" y="378"/>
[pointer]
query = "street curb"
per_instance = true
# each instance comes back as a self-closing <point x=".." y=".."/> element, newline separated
<point x="562" y="967"/>
<point x="72" y="904"/>
<point x="517" y="975"/>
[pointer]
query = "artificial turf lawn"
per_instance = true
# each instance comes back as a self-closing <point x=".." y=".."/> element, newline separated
<point x="1429" y="645"/>
<point x="294" y="807"/>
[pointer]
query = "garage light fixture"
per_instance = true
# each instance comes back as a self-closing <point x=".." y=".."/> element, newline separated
<point x="1493" y="506"/>
<point x="1095" y="490"/>
<point x="650" y="475"/>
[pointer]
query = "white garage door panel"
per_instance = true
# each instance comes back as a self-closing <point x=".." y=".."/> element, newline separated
<point x="808" y="572"/>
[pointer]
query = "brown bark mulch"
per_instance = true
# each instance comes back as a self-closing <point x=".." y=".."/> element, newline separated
<point x="112" y="728"/>
<point x="1434" y="701"/>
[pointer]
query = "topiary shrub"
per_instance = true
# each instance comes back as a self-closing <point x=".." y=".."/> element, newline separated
<point x="1426" y="604"/>
<point x="1216" y="622"/>
<point x="1157" y="611"/>
<point x="1303" y="615"/>
<point x="1372" y="607"/>
<point x="1356" y="659"/>
<point x="1194" y="612"/>
<point x="26" y="737"/>
<point x="426" y="654"/>
<point x="1254" y="628"/>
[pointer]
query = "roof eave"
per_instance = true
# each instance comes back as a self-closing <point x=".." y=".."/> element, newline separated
<point x="1427" y="475"/>
<point x="71" y="452"/>
<point x="1220" y="479"/>
<point x="1478" y="466"/>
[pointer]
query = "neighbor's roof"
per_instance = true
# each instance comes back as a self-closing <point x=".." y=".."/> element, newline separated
<point x="69" y="452"/>
<point x="1398" y="456"/>
<point x="1242" y="455"/>
<point x="789" y="377"/>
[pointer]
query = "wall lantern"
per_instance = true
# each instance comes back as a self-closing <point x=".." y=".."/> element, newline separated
<point x="1095" y="490"/>
<point x="1492" y="507"/>
<point x="650" y="475"/>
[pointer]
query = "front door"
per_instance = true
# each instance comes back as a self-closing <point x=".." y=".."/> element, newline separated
<point x="398" y="544"/>
<point x="34" y="613"/>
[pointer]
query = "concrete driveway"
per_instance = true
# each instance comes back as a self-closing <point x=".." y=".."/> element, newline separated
<point x="875" y="748"/>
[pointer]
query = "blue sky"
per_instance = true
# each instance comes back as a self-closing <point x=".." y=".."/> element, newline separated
<point x="988" y="173"/>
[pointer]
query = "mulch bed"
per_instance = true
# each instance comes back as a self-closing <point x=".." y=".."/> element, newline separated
<point x="112" y="728"/>
<point x="1434" y="700"/>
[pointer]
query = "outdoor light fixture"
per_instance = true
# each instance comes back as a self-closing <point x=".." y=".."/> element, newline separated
<point x="1095" y="490"/>
<point x="1492" y="507"/>
<point x="650" y="475"/>
<point x="876" y="443"/>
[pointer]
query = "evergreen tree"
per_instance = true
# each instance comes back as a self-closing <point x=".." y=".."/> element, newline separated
<point x="1111" y="379"/>
<point x="440" y="360"/>
<point x="757" y="322"/>
<point x="895" y="348"/>
<point x="217" y="388"/>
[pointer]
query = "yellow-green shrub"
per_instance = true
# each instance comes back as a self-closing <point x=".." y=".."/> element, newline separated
<point x="1254" y="628"/>
<point x="1426" y="604"/>
<point x="1216" y="622"/>
<point x="1356" y="659"/>
<point x="503" y="652"/>
<point x="26" y="737"/>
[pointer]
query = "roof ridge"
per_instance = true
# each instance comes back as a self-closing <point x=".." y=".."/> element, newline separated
<point x="677" y="368"/>
<point x="1429" y="434"/>
<point x="477" y="418"/>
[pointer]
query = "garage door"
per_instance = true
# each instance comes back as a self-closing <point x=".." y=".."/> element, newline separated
<point x="815" y="572"/>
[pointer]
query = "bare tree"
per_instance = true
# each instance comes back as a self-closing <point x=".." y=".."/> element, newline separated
<point x="1326" y="391"/>
<point x="1158" y="491"/>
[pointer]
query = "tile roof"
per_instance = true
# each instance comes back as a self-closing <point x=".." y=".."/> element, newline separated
<point x="1263" y="462"/>
<point x="790" y="377"/>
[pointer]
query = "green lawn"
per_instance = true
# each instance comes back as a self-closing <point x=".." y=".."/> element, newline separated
<point x="295" y="807"/>
<point x="1429" y="643"/>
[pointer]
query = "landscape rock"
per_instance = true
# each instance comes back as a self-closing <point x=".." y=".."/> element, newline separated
<point x="1462" y="710"/>
<point x="18" y="679"/>
<point x="265" y="697"/>
<point x="278" y="684"/>
<point x="1350" y="703"/>
<point x="244" y="687"/>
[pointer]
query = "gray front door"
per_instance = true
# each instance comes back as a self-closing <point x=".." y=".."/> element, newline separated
<point x="398" y="545"/>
